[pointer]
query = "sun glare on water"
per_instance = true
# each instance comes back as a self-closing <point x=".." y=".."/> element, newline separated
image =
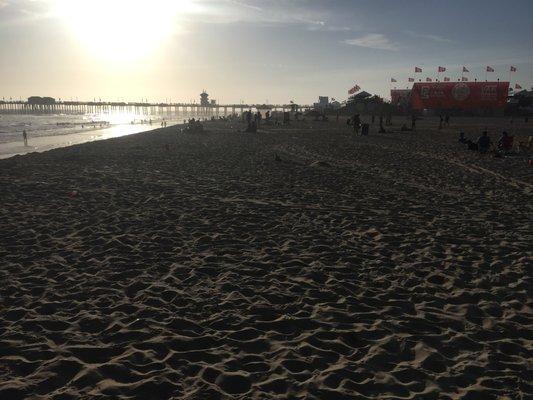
<point x="122" y="31"/>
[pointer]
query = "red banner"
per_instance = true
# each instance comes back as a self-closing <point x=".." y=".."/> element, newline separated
<point x="462" y="95"/>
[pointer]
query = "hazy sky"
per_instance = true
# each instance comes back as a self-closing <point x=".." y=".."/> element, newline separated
<point x="251" y="50"/>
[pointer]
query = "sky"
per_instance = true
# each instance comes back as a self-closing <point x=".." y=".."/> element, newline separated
<point x="254" y="51"/>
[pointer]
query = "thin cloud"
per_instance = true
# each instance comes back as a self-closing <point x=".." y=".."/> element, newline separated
<point x="372" y="41"/>
<point x="269" y="12"/>
<point x="435" y="38"/>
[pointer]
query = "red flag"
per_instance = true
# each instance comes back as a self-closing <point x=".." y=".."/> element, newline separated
<point x="517" y="86"/>
<point x="513" y="69"/>
<point x="446" y="79"/>
<point x="353" y="90"/>
<point x="428" y="79"/>
<point x="411" y="79"/>
<point x="464" y="79"/>
<point x="465" y="70"/>
<point x="442" y="69"/>
<point x="417" y="69"/>
<point x="393" y="80"/>
<point x="490" y="69"/>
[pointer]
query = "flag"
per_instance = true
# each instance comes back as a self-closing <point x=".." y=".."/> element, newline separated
<point x="446" y="79"/>
<point x="464" y="79"/>
<point x="411" y="79"/>
<point x="417" y="69"/>
<point x="465" y="70"/>
<point x="517" y="86"/>
<point x="428" y="79"/>
<point x="442" y="69"/>
<point x="490" y="69"/>
<point x="353" y="90"/>
<point x="513" y="69"/>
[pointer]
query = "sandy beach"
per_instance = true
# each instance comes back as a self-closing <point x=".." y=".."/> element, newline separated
<point x="301" y="262"/>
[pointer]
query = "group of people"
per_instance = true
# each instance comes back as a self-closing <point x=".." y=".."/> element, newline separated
<point x="363" y="129"/>
<point x="484" y="143"/>
<point x="193" y="126"/>
<point x="253" y="120"/>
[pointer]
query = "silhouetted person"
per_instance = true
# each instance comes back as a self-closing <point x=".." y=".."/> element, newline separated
<point x="506" y="142"/>
<point x="483" y="143"/>
<point x="471" y="145"/>
<point x="373" y="118"/>
<point x="356" y="123"/>
<point x="462" y="138"/>
<point x="381" y="127"/>
<point x="413" y="122"/>
<point x="25" y="137"/>
<point x="441" y="120"/>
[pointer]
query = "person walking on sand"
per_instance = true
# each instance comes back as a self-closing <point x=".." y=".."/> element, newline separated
<point x="25" y="137"/>
<point x="413" y="122"/>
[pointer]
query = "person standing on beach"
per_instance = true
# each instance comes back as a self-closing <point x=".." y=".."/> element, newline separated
<point x="25" y="137"/>
<point x="413" y="122"/>
<point x="356" y="123"/>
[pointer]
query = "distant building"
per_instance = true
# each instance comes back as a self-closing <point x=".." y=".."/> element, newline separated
<point x="335" y="105"/>
<point x="41" y="100"/>
<point x="324" y="104"/>
<point x="204" y="99"/>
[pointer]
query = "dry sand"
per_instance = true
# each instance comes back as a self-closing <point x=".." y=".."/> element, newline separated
<point x="297" y="263"/>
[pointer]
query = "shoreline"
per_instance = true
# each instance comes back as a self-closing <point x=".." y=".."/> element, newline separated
<point x="44" y="143"/>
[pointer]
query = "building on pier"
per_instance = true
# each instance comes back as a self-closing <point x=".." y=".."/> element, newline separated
<point x="204" y="99"/>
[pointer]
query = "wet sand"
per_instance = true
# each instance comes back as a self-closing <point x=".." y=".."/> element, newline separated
<point x="298" y="263"/>
<point x="45" y="143"/>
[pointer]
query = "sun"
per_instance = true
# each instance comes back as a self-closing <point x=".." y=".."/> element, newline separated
<point x="122" y="30"/>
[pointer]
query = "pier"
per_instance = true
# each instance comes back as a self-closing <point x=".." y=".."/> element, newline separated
<point x="162" y="109"/>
